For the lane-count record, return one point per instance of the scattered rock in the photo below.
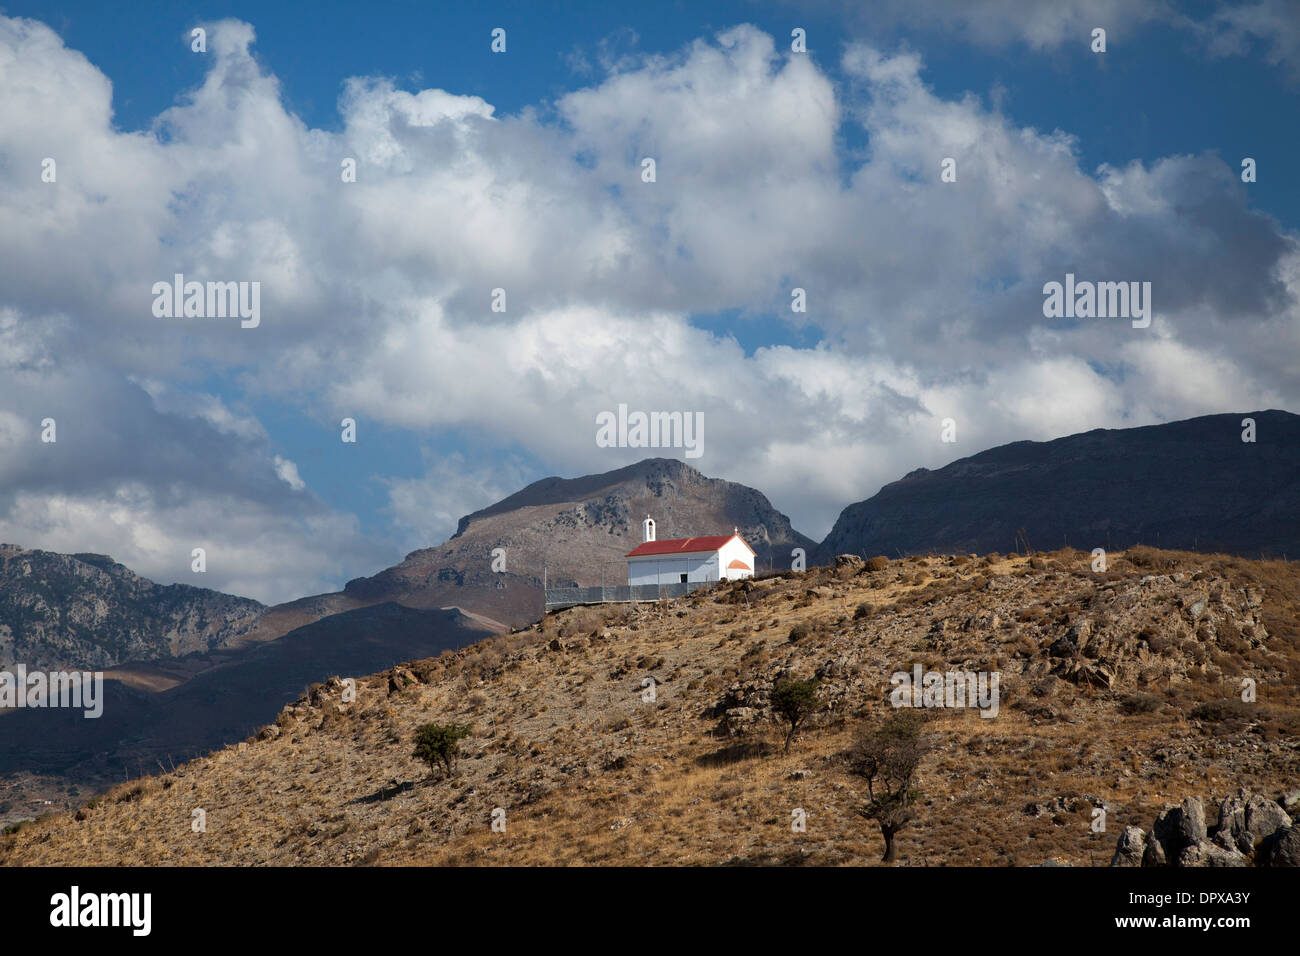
(400, 678)
(615, 761)
(1064, 646)
(847, 565)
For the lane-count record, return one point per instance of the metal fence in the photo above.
(557, 598)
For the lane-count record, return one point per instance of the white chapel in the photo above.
(721, 557)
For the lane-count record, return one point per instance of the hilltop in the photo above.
(1119, 689)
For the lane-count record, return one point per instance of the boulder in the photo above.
(1265, 816)
(400, 678)
(1175, 829)
(1205, 853)
(739, 721)
(1226, 840)
(1154, 854)
(1130, 847)
(1232, 813)
(1191, 822)
(1283, 847)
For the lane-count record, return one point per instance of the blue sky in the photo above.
(776, 169)
(1158, 94)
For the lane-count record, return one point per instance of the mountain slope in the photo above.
(1119, 689)
(571, 530)
(231, 693)
(86, 611)
(163, 705)
(1191, 484)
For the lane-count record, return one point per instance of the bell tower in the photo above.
(648, 529)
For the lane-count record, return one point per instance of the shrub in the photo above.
(1140, 704)
(865, 609)
(1143, 556)
(792, 702)
(1229, 716)
(878, 563)
(799, 632)
(439, 744)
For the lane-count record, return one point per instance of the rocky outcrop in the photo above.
(1251, 830)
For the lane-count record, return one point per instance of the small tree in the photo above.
(439, 744)
(792, 702)
(887, 757)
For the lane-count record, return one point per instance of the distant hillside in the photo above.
(576, 528)
(87, 611)
(1192, 485)
(231, 693)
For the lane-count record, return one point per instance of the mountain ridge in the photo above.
(88, 611)
(1191, 484)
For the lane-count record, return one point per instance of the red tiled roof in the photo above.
(739, 565)
(681, 545)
